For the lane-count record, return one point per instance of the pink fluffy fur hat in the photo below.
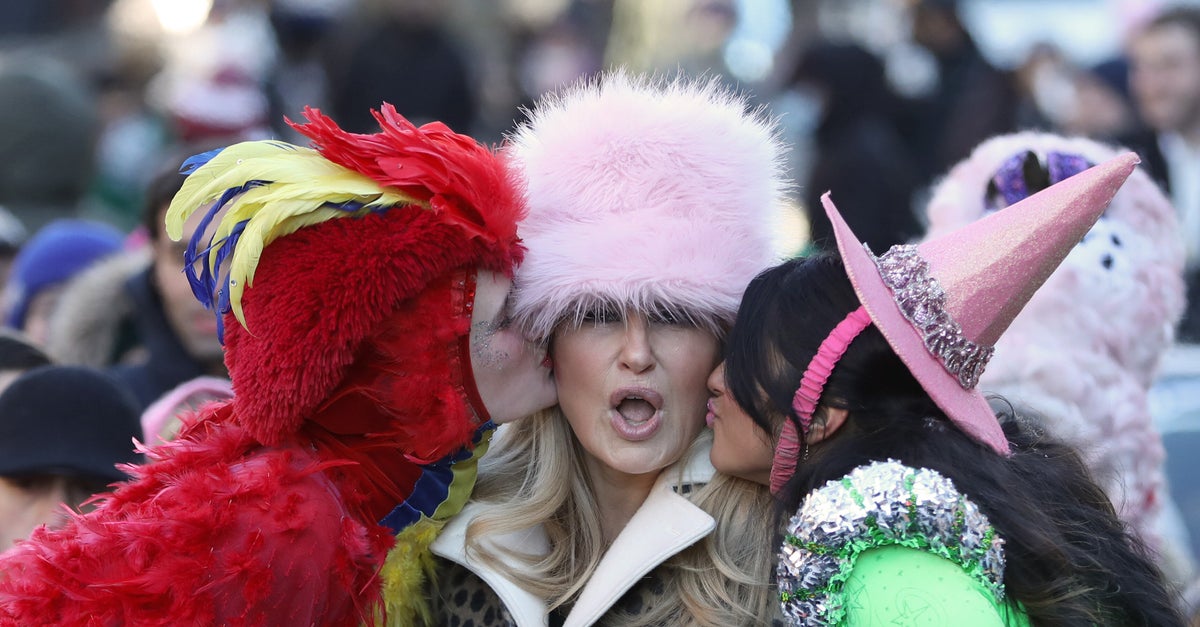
(645, 194)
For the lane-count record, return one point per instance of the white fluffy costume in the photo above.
(1085, 350)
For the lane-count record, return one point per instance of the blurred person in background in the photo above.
(685, 37)
(41, 270)
(972, 100)
(48, 132)
(136, 313)
(222, 107)
(59, 448)
(133, 135)
(1043, 84)
(1103, 104)
(1165, 81)
(555, 55)
(1057, 94)
(18, 354)
(706, 27)
(856, 138)
(299, 76)
(163, 419)
(12, 237)
(401, 52)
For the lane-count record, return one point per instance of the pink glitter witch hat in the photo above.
(943, 304)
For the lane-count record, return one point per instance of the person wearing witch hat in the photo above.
(850, 387)
(362, 289)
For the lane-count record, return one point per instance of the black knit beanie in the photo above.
(67, 420)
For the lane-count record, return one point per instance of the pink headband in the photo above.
(804, 403)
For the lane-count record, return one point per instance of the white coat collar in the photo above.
(664, 525)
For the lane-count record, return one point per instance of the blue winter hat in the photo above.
(57, 252)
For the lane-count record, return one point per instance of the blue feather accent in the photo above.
(205, 281)
(432, 487)
(222, 307)
(204, 286)
(226, 248)
(350, 206)
(192, 163)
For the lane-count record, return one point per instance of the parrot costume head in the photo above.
(343, 277)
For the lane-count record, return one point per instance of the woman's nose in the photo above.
(716, 380)
(636, 353)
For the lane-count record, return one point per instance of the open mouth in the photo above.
(636, 413)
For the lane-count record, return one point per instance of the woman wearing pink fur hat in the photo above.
(650, 210)
(850, 387)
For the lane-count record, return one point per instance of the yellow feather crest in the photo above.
(277, 188)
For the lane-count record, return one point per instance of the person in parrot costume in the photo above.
(361, 288)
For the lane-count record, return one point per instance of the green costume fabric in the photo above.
(878, 509)
(900, 586)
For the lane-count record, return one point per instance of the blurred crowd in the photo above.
(101, 100)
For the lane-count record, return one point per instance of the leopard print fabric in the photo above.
(462, 599)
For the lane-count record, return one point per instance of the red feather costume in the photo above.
(351, 375)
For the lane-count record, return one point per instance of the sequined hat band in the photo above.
(923, 302)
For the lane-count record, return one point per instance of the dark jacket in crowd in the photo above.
(861, 156)
(167, 362)
(1145, 144)
(973, 102)
(112, 317)
(417, 67)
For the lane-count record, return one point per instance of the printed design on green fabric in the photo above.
(880, 504)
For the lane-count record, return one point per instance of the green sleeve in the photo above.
(896, 585)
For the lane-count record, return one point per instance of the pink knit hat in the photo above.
(943, 304)
(646, 195)
(160, 420)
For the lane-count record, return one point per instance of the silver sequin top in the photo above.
(880, 504)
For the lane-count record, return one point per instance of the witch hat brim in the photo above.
(985, 272)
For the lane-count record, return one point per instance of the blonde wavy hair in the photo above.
(722, 580)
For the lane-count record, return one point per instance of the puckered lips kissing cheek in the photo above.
(636, 413)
